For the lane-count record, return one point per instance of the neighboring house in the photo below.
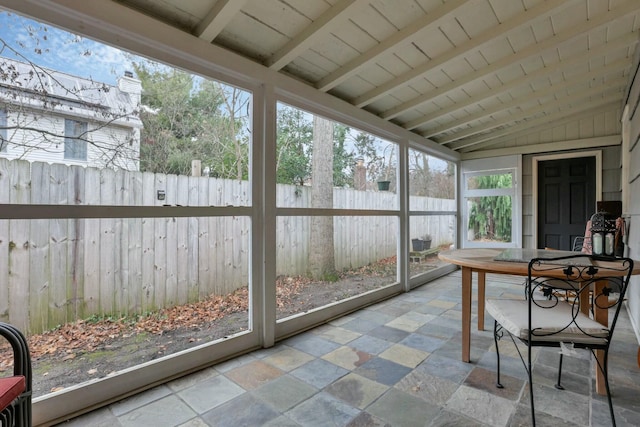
(50, 116)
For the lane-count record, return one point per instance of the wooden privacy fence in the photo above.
(53, 271)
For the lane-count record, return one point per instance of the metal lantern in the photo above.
(603, 231)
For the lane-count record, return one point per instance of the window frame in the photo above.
(74, 147)
(484, 167)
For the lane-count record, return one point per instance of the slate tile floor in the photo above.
(396, 363)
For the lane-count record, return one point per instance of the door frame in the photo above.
(534, 170)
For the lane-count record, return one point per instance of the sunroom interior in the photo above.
(480, 88)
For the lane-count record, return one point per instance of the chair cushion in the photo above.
(513, 316)
(10, 389)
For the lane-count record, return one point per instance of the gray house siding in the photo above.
(633, 181)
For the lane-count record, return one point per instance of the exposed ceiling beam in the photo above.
(532, 50)
(542, 10)
(606, 48)
(218, 18)
(311, 33)
(586, 110)
(420, 25)
(551, 90)
(549, 147)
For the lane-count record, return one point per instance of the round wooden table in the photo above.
(482, 261)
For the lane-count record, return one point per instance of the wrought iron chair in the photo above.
(15, 390)
(544, 319)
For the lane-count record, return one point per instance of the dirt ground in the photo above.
(91, 349)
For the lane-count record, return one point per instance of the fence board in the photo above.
(39, 254)
(18, 281)
(148, 242)
(91, 247)
(206, 242)
(193, 241)
(121, 241)
(182, 241)
(58, 236)
(215, 251)
(107, 244)
(75, 251)
(134, 255)
(160, 248)
(171, 264)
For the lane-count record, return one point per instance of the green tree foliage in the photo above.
(490, 216)
(343, 159)
(294, 140)
(186, 118)
(295, 149)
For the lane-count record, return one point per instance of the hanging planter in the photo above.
(384, 185)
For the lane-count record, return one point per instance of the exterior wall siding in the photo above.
(101, 141)
(633, 181)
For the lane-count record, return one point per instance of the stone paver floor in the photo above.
(396, 363)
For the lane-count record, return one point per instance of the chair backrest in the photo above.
(21, 410)
(600, 281)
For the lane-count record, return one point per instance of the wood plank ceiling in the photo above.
(468, 74)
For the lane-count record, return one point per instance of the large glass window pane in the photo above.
(489, 212)
(101, 295)
(321, 156)
(167, 266)
(324, 166)
(361, 251)
(432, 203)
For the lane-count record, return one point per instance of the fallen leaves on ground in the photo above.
(84, 336)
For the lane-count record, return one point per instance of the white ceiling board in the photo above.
(477, 17)
(278, 16)
(309, 9)
(400, 13)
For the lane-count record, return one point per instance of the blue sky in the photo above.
(61, 50)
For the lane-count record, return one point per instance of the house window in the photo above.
(491, 197)
(75, 143)
(3, 131)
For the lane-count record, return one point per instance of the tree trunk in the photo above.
(321, 258)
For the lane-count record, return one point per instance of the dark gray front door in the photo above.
(566, 200)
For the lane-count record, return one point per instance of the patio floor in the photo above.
(396, 363)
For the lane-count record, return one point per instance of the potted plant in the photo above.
(384, 185)
(385, 165)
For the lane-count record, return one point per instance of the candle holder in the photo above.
(603, 232)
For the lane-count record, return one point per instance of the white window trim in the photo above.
(478, 167)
